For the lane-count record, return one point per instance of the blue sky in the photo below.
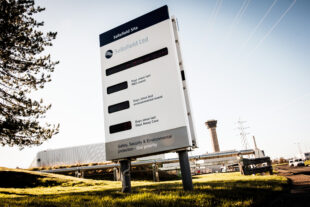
(237, 66)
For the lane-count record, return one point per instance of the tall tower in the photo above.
(211, 124)
(255, 146)
(243, 133)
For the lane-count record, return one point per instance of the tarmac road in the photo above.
(299, 194)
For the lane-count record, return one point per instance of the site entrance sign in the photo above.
(145, 107)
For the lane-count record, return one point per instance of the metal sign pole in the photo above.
(185, 170)
(125, 173)
(155, 172)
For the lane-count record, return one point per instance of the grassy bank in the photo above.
(229, 189)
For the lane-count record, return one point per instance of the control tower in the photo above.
(211, 124)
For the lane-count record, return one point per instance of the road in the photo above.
(299, 194)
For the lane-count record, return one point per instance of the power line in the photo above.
(235, 21)
(242, 12)
(259, 23)
(237, 18)
(214, 13)
(274, 26)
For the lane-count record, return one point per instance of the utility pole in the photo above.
(243, 133)
(255, 145)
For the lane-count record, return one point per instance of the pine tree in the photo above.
(23, 68)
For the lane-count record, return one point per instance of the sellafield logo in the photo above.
(108, 54)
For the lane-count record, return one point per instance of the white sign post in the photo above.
(146, 106)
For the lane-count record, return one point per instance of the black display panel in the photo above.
(137, 61)
(118, 107)
(120, 127)
(183, 75)
(117, 87)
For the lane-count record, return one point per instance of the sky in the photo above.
(245, 60)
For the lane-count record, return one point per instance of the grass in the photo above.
(223, 189)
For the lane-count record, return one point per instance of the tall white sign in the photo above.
(145, 106)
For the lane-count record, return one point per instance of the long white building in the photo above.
(78, 155)
(85, 154)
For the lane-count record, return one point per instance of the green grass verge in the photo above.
(223, 189)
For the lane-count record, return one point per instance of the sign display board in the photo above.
(145, 109)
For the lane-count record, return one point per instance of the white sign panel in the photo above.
(144, 103)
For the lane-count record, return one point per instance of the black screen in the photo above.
(120, 127)
(117, 87)
(137, 61)
(118, 107)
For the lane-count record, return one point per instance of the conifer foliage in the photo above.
(24, 67)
